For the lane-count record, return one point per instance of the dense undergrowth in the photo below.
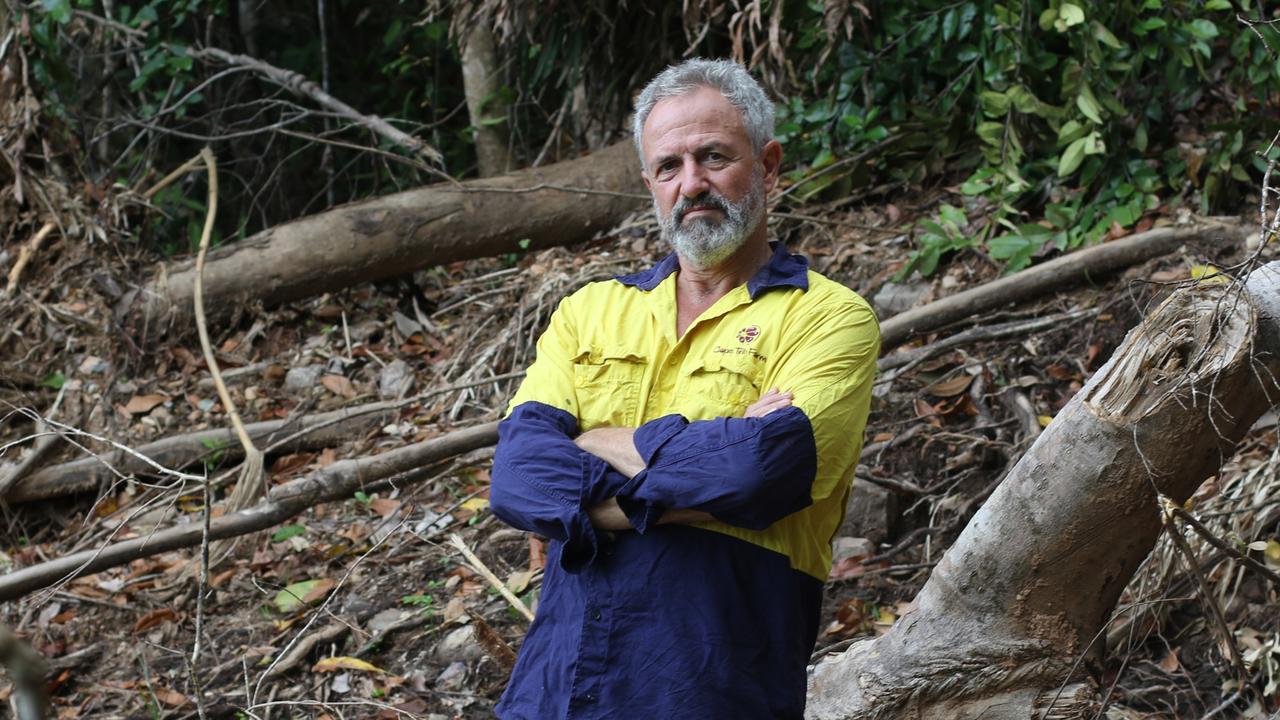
(1056, 123)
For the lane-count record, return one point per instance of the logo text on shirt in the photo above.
(748, 334)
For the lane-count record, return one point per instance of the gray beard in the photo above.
(706, 242)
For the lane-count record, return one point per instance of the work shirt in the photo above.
(714, 619)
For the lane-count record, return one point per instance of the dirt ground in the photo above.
(364, 608)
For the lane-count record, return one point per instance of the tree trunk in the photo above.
(375, 239)
(482, 84)
(1020, 598)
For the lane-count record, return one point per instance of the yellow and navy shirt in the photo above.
(709, 620)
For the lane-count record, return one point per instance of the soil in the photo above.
(399, 624)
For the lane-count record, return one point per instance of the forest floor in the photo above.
(363, 608)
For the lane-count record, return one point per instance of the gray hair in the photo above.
(731, 79)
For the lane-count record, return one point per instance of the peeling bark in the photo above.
(1007, 625)
(400, 233)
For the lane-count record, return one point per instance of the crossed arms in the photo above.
(616, 446)
(747, 472)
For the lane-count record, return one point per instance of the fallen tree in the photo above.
(293, 435)
(338, 481)
(1069, 269)
(374, 239)
(1008, 625)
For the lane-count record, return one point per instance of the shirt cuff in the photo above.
(641, 514)
(651, 436)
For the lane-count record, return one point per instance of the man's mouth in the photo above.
(700, 210)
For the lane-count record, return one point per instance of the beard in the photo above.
(708, 241)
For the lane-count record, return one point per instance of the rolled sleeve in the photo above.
(747, 472)
(542, 482)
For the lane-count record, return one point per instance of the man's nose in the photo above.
(693, 179)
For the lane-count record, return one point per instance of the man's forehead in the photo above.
(703, 111)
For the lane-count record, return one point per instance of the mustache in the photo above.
(705, 201)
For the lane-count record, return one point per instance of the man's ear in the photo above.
(771, 160)
(648, 184)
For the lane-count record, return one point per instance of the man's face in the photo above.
(708, 186)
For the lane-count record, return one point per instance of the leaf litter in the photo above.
(376, 563)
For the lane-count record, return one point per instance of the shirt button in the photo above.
(595, 615)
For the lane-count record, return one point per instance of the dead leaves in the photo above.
(339, 385)
(143, 404)
(343, 662)
(154, 618)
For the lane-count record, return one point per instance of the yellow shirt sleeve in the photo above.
(829, 367)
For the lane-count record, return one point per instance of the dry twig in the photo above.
(487, 574)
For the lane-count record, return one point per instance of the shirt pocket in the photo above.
(607, 382)
(720, 386)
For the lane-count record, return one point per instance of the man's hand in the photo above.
(770, 401)
(615, 446)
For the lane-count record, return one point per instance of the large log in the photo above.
(1001, 628)
(1036, 281)
(388, 236)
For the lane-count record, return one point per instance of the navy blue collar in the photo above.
(783, 270)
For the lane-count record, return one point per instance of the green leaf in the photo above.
(1006, 246)
(1071, 158)
(146, 14)
(54, 380)
(294, 596)
(1069, 16)
(991, 133)
(1048, 18)
(1088, 104)
(1217, 5)
(1146, 25)
(287, 532)
(952, 215)
(994, 104)
(1106, 37)
(1203, 29)
(59, 10)
(1070, 131)
(1094, 144)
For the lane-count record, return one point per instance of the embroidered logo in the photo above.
(748, 334)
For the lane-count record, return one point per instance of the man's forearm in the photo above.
(609, 516)
(615, 446)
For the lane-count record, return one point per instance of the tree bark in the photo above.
(1000, 626)
(482, 84)
(388, 236)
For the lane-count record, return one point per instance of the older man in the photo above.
(686, 437)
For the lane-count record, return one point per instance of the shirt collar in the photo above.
(782, 270)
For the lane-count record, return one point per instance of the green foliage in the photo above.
(54, 380)
(1058, 121)
(424, 602)
(1086, 113)
(217, 451)
(288, 531)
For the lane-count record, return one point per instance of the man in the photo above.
(686, 437)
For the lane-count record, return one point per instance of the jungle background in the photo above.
(931, 148)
